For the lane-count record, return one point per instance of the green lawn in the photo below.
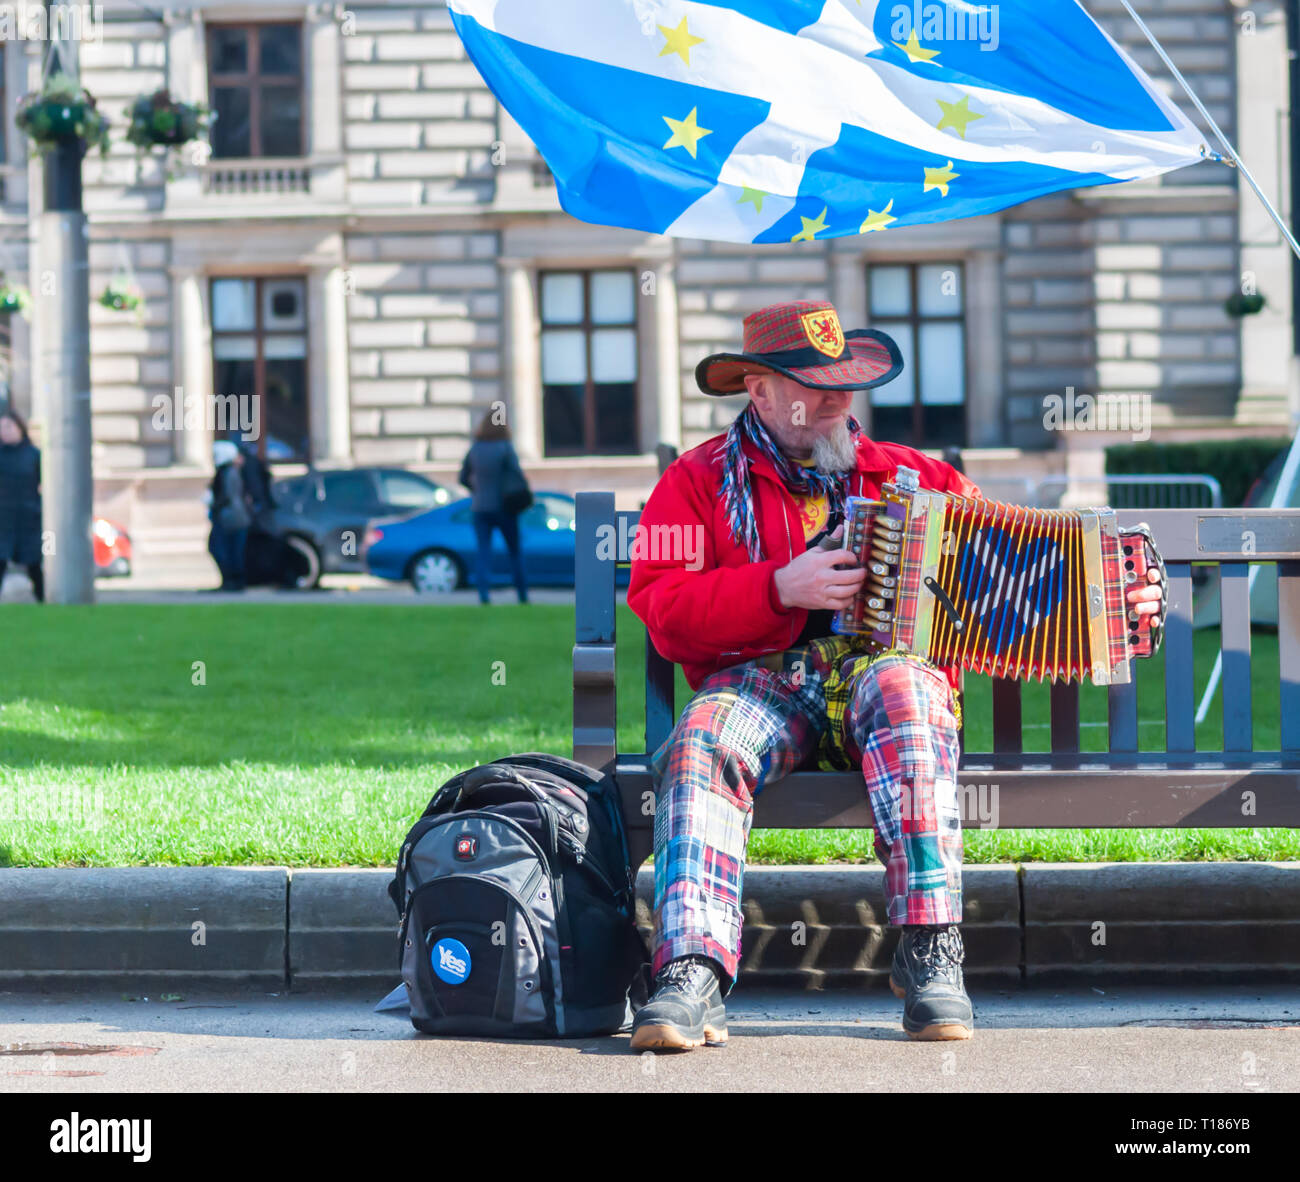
(314, 734)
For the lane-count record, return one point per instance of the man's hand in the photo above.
(1147, 599)
(815, 579)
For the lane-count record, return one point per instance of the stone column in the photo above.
(982, 301)
(324, 103)
(848, 283)
(522, 361)
(331, 427)
(187, 79)
(191, 366)
(661, 410)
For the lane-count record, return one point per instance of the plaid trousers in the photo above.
(890, 713)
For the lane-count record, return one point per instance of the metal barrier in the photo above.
(1139, 492)
(1010, 490)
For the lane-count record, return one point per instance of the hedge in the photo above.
(1234, 463)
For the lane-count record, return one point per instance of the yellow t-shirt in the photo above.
(813, 509)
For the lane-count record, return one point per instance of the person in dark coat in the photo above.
(492, 473)
(267, 558)
(231, 515)
(20, 501)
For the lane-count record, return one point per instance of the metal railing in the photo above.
(1180, 491)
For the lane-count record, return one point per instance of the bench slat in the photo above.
(1215, 535)
(1288, 645)
(593, 578)
(660, 714)
(1007, 730)
(595, 688)
(1095, 797)
(1234, 600)
(1122, 713)
(1065, 716)
(1180, 682)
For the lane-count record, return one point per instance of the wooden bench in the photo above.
(1177, 787)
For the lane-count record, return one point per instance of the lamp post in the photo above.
(63, 306)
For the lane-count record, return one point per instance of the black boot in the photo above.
(926, 973)
(686, 1009)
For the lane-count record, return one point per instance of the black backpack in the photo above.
(517, 904)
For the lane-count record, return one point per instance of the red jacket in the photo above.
(726, 610)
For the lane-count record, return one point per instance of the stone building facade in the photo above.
(412, 268)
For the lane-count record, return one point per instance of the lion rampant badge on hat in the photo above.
(803, 340)
(824, 332)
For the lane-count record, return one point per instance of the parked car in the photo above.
(436, 550)
(322, 516)
(112, 549)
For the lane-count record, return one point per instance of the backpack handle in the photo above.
(495, 776)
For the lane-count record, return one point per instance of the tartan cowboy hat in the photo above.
(803, 340)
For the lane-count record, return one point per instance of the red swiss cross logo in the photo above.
(466, 848)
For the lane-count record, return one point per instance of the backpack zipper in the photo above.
(592, 868)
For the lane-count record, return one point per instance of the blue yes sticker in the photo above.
(451, 962)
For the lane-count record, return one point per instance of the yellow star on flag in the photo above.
(810, 227)
(686, 132)
(939, 178)
(753, 195)
(956, 115)
(877, 219)
(679, 40)
(912, 47)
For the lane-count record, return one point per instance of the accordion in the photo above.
(1000, 589)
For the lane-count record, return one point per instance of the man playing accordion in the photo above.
(776, 689)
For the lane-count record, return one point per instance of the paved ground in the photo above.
(1137, 1039)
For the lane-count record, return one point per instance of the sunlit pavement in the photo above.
(1203, 1039)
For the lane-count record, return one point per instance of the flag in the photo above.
(799, 120)
(1008, 589)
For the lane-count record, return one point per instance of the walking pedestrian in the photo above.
(231, 515)
(20, 502)
(499, 493)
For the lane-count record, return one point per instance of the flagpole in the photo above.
(1223, 139)
(1291, 466)
(1286, 480)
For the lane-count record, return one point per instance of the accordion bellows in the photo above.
(1000, 589)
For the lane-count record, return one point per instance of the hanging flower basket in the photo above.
(60, 111)
(122, 296)
(14, 298)
(1238, 305)
(160, 121)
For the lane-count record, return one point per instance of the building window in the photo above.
(259, 364)
(589, 362)
(255, 82)
(922, 306)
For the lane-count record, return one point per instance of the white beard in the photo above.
(835, 453)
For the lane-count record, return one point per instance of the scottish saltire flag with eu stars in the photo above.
(1008, 590)
(794, 120)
